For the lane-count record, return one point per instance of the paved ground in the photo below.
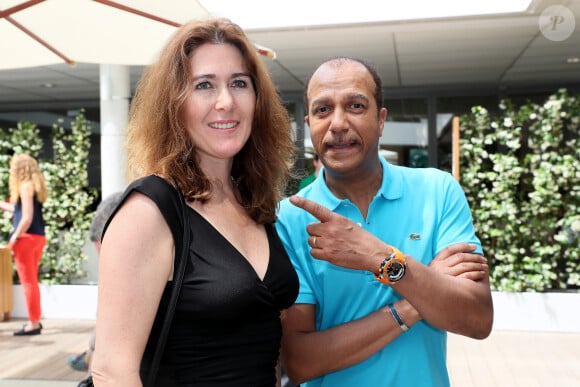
(505, 359)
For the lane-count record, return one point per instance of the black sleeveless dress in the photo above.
(226, 329)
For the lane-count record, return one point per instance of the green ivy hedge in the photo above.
(68, 209)
(520, 170)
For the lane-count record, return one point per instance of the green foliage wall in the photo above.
(521, 174)
(67, 211)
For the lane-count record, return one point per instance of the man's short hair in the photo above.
(378, 92)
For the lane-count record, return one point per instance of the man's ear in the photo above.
(382, 118)
(307, 120)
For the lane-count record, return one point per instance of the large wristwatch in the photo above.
(392, 269)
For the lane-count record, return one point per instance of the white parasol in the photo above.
(124, 32)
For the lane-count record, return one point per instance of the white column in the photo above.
(115, 90)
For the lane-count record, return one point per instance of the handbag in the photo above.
(178, 280)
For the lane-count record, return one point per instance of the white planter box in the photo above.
(547, 312)
(60, 302)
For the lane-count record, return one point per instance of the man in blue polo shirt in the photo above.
(374, 304)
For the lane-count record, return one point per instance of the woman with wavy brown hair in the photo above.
(27, 239)
(206, 119)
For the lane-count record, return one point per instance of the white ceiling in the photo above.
(462, 54)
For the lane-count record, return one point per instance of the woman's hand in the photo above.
(5, 206)
(12, 241)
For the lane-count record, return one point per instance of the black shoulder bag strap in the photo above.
(180, 264)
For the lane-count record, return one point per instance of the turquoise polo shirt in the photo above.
(420, 211)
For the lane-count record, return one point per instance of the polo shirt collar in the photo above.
(391, 187)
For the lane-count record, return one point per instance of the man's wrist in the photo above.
(392, 268)
(397, 318)
(405, 311)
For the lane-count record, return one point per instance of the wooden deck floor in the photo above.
(43, 356)
(505, 359)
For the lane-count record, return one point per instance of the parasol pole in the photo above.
(455, 148)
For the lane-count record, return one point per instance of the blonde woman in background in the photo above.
(27, 239)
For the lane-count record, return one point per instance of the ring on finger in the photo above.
(314, 241)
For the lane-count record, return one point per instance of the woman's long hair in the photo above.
(24, 168)
(158, 141)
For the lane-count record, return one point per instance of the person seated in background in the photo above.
(310, 178)
(82, 361)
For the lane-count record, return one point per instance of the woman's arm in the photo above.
(135, 264)
(27, 200)
(5, 206)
